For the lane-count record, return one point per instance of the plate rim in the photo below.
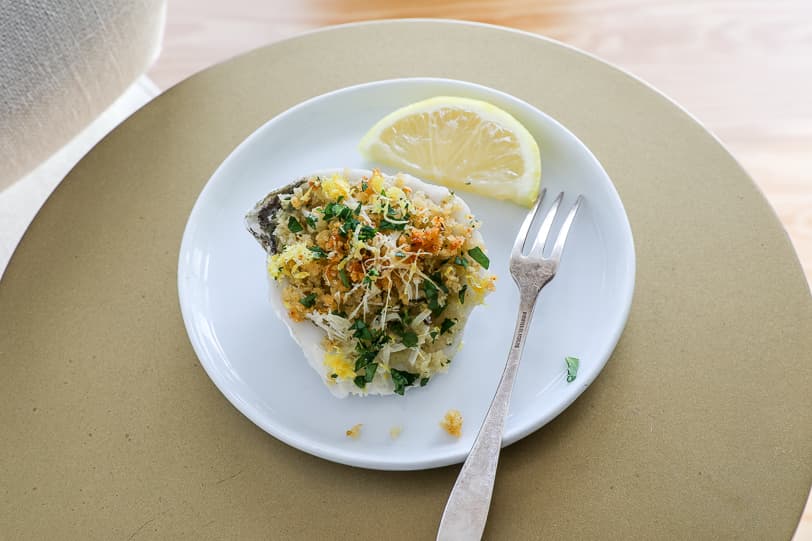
(337, 455)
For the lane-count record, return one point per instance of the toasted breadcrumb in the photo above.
(354, 432)
(394, 432)
(452, 423)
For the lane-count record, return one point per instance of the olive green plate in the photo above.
(700, 425)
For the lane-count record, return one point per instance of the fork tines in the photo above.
(540, 241)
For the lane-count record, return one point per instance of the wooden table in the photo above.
(743, 69)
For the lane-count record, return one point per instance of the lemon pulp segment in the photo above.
(465, 144)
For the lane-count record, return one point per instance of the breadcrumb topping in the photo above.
(354, 432)
(388, 273)
(452, 423)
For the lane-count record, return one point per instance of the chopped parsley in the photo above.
(431, 292)
(409, 339)
(434, 334)
(461, 261)
(423, 381)
(294, 225)
(308, 301)
(366, 232)
(348, 226)
(402, 379)
(370, 342)
(342, 274)
(386, 225)
(463, 289)
(371, 273)
(364, 186)
(369, 372)
(572, 368)
(362, 332)
(336, 210)
(479, 256)
(318, 253)
(446, 325)
(365, 359)
(392, 221)
(311, 220)
(438, 279)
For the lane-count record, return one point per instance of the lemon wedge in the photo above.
(461, 143)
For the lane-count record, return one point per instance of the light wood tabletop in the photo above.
(743, 69)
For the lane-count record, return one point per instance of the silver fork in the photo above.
(467, 509)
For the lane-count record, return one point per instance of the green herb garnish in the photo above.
(366, 232)
(423, 381)
(391, 221)
(369, 371)
(572, 368)
(342, 274)
(386, 225)
(311, 220)
(371, 273)
(294, 226)
(318, 253)
(461, 261)
(336, 210)
(479, 256)
(402, 379)
(409, 339)
(462, 293)
(308, 301)
(431, 291)
(348, 226)
(357, 210)
(438, 279)
(360, 381)
(362, 332)
(364, 186)
(365, 359)
(446, 325)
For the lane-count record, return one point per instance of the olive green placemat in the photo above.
(700, 426)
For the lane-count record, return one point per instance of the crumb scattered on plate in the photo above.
(354, 432)
(394, 432)
(452, 423)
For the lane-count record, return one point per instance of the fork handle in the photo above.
(467, 508)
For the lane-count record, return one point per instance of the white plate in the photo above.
(249, 355)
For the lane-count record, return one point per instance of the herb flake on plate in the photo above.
(572, 368)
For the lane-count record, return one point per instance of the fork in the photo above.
(467, 508)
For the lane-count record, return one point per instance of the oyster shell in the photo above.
(313, 336)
